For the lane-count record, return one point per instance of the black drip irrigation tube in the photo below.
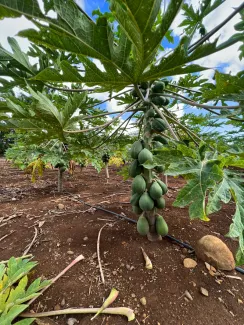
(181, 243)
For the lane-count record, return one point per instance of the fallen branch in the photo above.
(76, 260)
(5, 236)
(113, 311)
(111, 298)
(32, 243)
(98, 253)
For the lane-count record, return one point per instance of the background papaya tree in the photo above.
(131, 53)
(41, 119)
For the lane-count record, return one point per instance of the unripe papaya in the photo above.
(136, 149)
(155, 191)
(159, 203)
(150, 112)
(159, 100)
(142, 225)
(135, 199)
(159, 125)
(163, 186)
(135, 168)
(160, 138)
(157, 145)
(136, 209)
(144, 155)
(159, 169)
(161, 226)
(146, 203)
(166, 101)
(139, 184)
(144, 85)
(158, 87)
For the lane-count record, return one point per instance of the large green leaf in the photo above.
(226, 87)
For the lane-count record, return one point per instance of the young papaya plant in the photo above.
(14, 293)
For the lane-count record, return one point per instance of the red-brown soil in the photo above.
(76, 229)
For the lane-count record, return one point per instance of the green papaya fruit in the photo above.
(59, 165)
(134, 93)
(161, 226)
(159, 169)
(135, 199)
(138, 184)
(145, 155)
(136, 149)
(144, 85)
(135, 168)
(158, 87)
(166, 101)
(150, 112)
(159, 203)
(146, 203)
(158, 100)
(142, 226)
(158, 125)
(163, 186)
(155, 191)
(157, 145)
(136, 209)
(161, 139)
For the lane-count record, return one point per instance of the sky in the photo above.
(227, 60)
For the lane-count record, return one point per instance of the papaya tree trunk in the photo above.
(107, 171)
(147, 188)
(147, 173)
(166, 180)
(60, 180)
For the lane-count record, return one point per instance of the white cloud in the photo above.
(178, 109)
(10, 27)
(228, 57)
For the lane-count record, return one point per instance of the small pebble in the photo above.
(143, 301)
(204, 291)
(57, 307)
(85, 238)
(70, 252)
(72, 321)
(133, 295)
(62, 302)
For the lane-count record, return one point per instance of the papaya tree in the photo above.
(131, 53)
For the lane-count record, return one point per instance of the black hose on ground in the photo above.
(181, 243)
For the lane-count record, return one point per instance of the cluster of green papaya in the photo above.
(144, 199)
(143, 226)
(140, 154)
(156, 92)
(147, 189)
(105, 158)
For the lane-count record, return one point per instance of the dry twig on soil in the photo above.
(76, 260)
(5, 236)
(98, 254)
(32, 243)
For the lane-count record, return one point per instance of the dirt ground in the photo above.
(66, 233)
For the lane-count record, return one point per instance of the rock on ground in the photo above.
(213, 250)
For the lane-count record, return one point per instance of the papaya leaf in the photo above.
(226, 85)
(26, 321)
